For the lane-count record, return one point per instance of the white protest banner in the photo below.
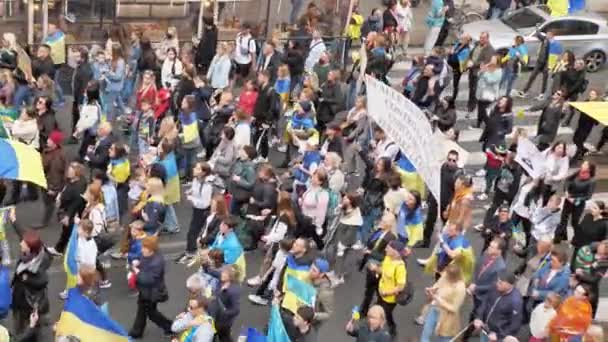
(408, 127)
(446, 145)
(530, 158)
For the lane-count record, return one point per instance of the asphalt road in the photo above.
(122, 307)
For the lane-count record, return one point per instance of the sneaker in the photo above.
(482, 197)
(540, 97)
(480, 173)
(319, 231)
(118, 255)
(53, 252)
(255, 281)
(184, 258)
(478, 227)
(133, 293)
(257, 300)
(63, 294)
(202, 154)
(358, 245)
(339, 281)
(282, 148)
(419, 320)
(486, 207)
(422, 262)
(105, 284)
(106, 264)
(519, 93)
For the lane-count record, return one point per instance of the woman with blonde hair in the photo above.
(115, 79)
(167, 131)
(446, 297)
(373, 329)
(8, 53)
(44, 87)
(95, 212)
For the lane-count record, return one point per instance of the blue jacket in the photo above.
(22, 97)
(558, 284)
(134, 252)
(156, 216)
(151, 278)
(502, 313)
(435, 18)
(486, 281)
(110, 198)
(115, 78)
(310, 158)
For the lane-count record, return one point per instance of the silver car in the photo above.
(584, 33)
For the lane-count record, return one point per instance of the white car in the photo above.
(584, 33)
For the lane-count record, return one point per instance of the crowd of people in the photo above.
(156, 128)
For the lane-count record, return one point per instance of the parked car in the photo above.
(584, 33)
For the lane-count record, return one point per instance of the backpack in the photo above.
(333, 203)
(276, 106)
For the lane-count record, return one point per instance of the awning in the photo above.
(595, 109)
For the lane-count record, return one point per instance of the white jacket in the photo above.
(170, 73)
(26, 132)
(316, 49)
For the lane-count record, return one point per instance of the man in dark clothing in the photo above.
(263, 111)
(82, 76)
(501, 313)
(46, 119)
(332, 100)
(445, 28)
(299, 326)
(449, 172)
(98, 155)
(207, 46)
(271, 59)
(481, 53)
(506, 185)
(43, 63)
(541, 66)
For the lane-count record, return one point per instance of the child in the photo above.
(540, 317)
(242, 129)
(301, 127)
(137, 187)
(272, 276)
(136, 236)
(145, 127)
(494, 160)
(283, 84)
(153, 212)
(119, 171)
(86, 249)
(248, 98)
(110, 198)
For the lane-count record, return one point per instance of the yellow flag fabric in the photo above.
(595, 109)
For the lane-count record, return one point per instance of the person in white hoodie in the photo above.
(540, 317)
(25, 128)
(315, 50)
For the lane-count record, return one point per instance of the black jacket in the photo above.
(82, 76)
(264, 195)
(448, 179)
(502, 313)
(151, 278)
(72, 202)
(332, 101)
(273, 65)
(31, 288)
(573, 80)
(43, 67)
(497, 127)
(46, 124)
(262, 109)
(589, 231)
(548, 124)
(228, 305)
(100, 157)
(8, 59)
(294, 59)
(207, 47)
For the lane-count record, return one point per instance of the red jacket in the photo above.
(247, 101)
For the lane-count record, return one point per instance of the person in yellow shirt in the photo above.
(393, 277)
(559, 8)
(353, 30)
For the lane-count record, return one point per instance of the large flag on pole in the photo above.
(70, 265)
(83, 319)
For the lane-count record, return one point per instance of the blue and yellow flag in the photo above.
(514, 50)
(19, 161)
(189, 127)
(465, 257)
(83, 319)
(276, 328)
(233, 251)
(120, 170)
(70, 263)
(555, 51)
(172, 190)
(298, 293)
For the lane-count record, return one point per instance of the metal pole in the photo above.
(268, 30)
(45, 18)
(199, 32)
(30, 22)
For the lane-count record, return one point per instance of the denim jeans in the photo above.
(368, 223)
(187, 160)
(58, 90)
(142, 146)
(508, 78)
(113, 101)
(171, 225)
(296, 7)
(430, 324)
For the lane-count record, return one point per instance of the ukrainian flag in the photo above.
(410, 179)
(172, 190)
(462, 56)
(83, 319)
(409, 225)
(233, 252)
(70, 264)
(297, 289)
(189, 334)
(19, 161)
(189, 127)
(465, 258)
(555, 50)
(120, 170)
(276, 328)
(523, 54)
